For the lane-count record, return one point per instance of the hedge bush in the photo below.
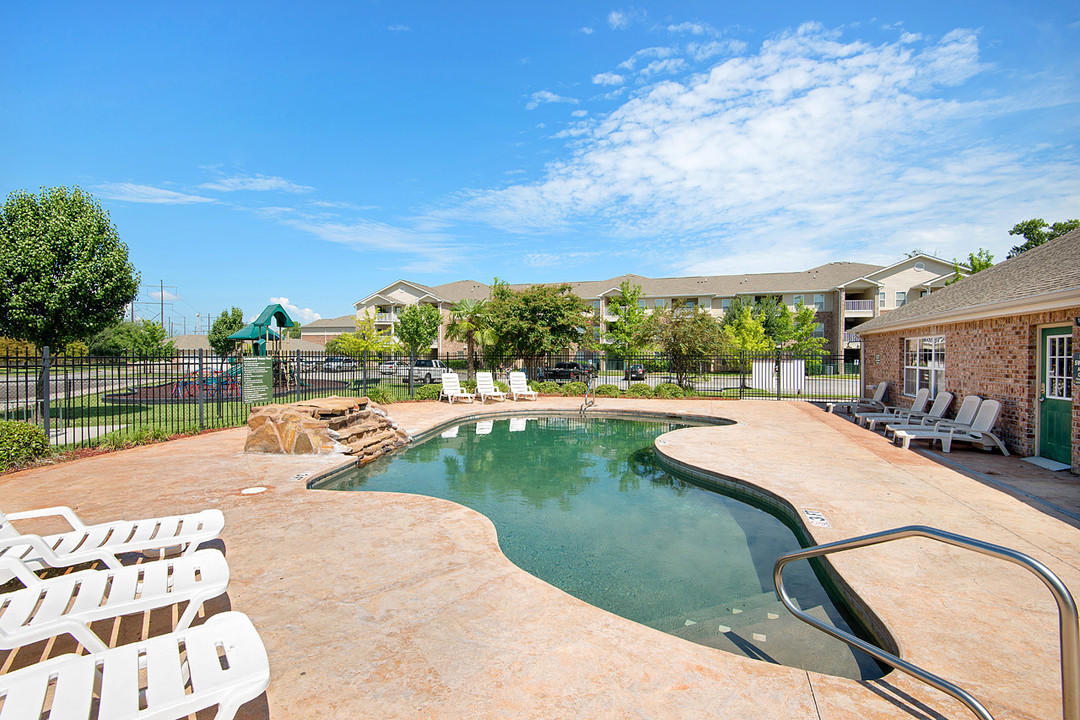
(574, 388)
(548, 387)
(379, 394)
(428, 392)
(639, 390)
(500, 385)
(130, 437)
(668, 391)
(607, 390)
(21, 443)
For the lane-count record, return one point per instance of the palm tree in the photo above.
(469, 323)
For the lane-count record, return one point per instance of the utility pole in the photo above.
(161, 297)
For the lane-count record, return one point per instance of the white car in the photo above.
(394, 369)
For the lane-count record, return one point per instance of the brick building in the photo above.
(1009, 333)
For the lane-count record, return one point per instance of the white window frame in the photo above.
(725, 305)
(819, 330)
(881, 299)
(924, 364)
(819, 302)
(797, 300)
(901, 298)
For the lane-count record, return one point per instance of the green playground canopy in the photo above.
(260, 332)
(254, 332)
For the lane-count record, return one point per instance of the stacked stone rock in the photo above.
(326, 425)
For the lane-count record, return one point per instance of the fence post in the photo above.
(363, 373)
(45, 404)
(412, 367)
(742, 373)
(199, 390)
(779, 374)
(296, 374)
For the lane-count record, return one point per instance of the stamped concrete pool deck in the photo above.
(387, 605)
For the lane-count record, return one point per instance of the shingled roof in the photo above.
(1042, 278)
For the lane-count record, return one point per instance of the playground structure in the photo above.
(261, 334)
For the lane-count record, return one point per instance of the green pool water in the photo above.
(583, 505)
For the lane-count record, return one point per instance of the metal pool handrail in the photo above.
(588, 403)
(1068, 621)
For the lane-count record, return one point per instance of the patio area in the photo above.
(401, 606)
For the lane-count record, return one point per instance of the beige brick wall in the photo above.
(996, 359)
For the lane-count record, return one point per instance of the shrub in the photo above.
(457, 364)
(468, 385)
(574, 388)
(548, 387)
(500, 385)
(130, 437)
(428, 392)
(668, 391)
(21, 443)
(379, 394)
(607, 390)
(639, 390)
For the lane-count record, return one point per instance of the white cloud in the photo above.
(297, 313)
(373, 235)
(255, 183)
(579, 113)
(808, 147)
(608, 78)
(586, 30)
(559, 259)
(541, 97)
(663, 67)
(645, 54)
(618, 20)
(701, 51)
(166, 296)
(130, 192)
(693, 28)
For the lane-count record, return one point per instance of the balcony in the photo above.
(859, 308)
(852, 340)
(384, 317)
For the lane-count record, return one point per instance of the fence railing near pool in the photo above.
(82, 399)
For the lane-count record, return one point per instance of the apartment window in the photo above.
(819, 301)
(596, 305)
(661, 303)
(924, 364)
(690, 303)
(641, 303)
(725, 305)
(881, 299)
(901, 298)
(819, 330)
(797, 300)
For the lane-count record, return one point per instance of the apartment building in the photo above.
(844, 294)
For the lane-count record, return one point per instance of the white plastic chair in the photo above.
(104, 541)
(875, 402)
(221, 662)
(451, 388)
(519, 386)
(979, 433)
(964, 417)
(65, 605)
(485, 387)
(890, 412)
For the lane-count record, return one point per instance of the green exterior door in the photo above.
(1055, 394)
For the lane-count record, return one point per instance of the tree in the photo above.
(64, 272)
(801, 340)
(688, 337)
(366, 339)
(631, 333)
(137, 339)
(470, 324)
(293, 332)
(418, 327)
(537, 321)
(742, 330)
(976, 262)
(1037, 232)
(228, 322)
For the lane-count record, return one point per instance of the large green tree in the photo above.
(64, 272)
(367, 339)
(140, 339)
(470, 323)
(688, 337)
(631, 333)
(417, 327)
(742, 330)
(1037, 232)
(976, 262)
(537, 321)
(228, 322)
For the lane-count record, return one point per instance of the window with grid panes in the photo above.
(924, 364)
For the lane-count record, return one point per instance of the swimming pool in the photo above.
(584, 505)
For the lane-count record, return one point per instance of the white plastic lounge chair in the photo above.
(936, 412)
(65, 605)
(890, 412)
(485, 387)
(979, 433)
(451, 388)
(224, 664)
(871, 403)
(519, 386)
(483, 427)
(104, 541)
(963, 419)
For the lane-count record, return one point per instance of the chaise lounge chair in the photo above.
(65, 605)
(871, 403)
(221, 662)
(451, 389)
(891, 412)
(979, 433)
(964, 417)
(104, 541)
(485, 387)
(519, 386)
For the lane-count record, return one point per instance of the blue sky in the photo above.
(250, 152)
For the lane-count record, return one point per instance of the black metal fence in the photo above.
(80, 400)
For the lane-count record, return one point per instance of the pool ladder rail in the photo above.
(590, 390)
(1068, 621)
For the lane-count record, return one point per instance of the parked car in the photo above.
(634, 372)
(311, 364)
(428, 371)
(339, 364)
(570, 372)
(394, 369)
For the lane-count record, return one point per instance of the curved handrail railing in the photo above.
(1068, 621)
(589, 389)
